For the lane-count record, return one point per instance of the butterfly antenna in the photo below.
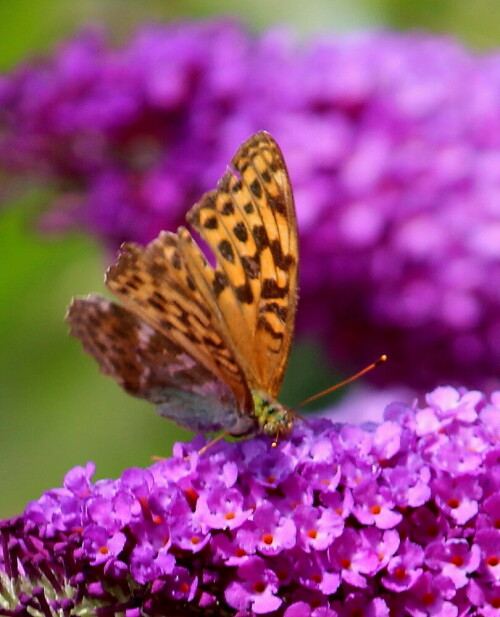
(297, 416)
(381, 360)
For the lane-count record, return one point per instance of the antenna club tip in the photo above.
(383, 358)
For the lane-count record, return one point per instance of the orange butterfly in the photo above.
(208, 345)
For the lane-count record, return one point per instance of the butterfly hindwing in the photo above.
(151, 366)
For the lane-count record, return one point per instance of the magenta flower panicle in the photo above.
(397, 518)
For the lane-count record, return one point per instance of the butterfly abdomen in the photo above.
(272, 418)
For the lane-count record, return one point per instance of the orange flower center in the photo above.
(428, 598)
(457, 560)
(259, 587)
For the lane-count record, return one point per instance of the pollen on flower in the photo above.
(428, 598)
(400, 573)
(259, 587)
(457, 560)
(191, 496)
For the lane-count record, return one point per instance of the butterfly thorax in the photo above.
(272, 418)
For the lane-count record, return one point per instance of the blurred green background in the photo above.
(56, 410)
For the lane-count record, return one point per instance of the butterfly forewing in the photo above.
(249, 223)
(153, 283)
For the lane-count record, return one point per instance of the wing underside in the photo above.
(151, 366)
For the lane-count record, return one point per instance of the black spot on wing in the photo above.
(211, 223)
(256, 188)
(251, 266)
(237, 186)
(280, 259)
(265, 325)
(277, 203)
(260, 236)
(226, 250)
(220, 282)
(176, 260)
(277, 309)
(227, 208)
(240, 231)
(244, 293)
(271, 290)
(155, 304)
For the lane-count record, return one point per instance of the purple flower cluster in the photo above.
(393, 146)
(400, 518)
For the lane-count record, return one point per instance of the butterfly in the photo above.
(207, 344)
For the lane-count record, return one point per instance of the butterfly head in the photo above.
(273, 419)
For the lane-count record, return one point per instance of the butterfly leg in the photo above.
(211, 443)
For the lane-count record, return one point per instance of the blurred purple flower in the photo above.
(393, 146)
(196, 534)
